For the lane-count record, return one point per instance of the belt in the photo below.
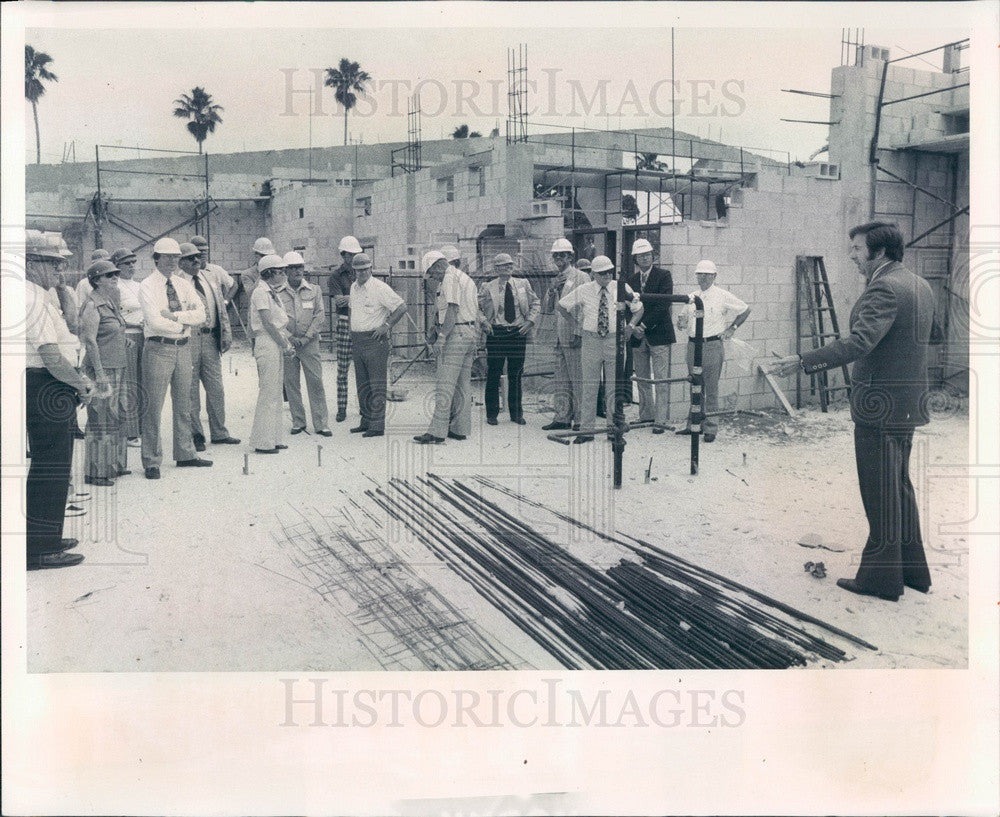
(206, 331)
(167, 341)
(714, 337)
(464, 323)
(505, 326)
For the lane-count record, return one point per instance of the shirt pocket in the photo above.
(309, 305)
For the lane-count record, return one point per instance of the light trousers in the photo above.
(452, 396)
(163, 366)
(267, 429)
(306, 361)
(712, 357)
(104, 449)
(206, 363)
(597, 355)
(567, 384)
(653, 362)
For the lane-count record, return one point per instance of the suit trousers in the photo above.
(133, 385)
(567, 384)
(306, 360)
(504, 345)
(105, 451)
(50, 409)
(452, 394)
(206, 367)
(894, 551)
(371, 370)
(654, 400)
(712, 358)
(267, 429)
(166, 365)
(597, 356)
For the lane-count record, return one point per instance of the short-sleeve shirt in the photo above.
(458, 288)
(44, 325)
(223, 280)
(587, 298)
(371, 304)
(721, 307)
(263, 297)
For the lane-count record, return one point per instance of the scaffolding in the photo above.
(517, 94)
(411, 160)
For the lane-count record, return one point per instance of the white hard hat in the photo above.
(705, 266)
(264, 246)
(640, 246)
(39, 245)
(430, 258)
(271, 261)
(450, 253)
(64, 248)
(167, 246)
(503, 259)
(562, 245)
(601, 263)
(349, 244)
(293, 259)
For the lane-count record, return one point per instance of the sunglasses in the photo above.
(108, 275)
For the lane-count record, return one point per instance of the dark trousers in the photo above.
(50, 409)
(371, 369)
(504, 344)
(894, 552)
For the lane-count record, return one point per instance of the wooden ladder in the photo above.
(816, 319)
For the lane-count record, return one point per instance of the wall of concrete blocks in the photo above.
(311, 219)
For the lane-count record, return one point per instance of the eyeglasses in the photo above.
(113, 274)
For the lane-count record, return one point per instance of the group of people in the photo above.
(170, 330)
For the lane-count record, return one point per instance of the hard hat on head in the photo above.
(640, 246)
(199, 241)
(122, 256)
(263, 246)
(430, 258)
(450, 253)
(99, 268)
(361, 261)
(271, 261)
(38, 245)
(601, 264)
(167, 246)
(64, 248)
(189, 250)
(584, 264)
(706, 266)
(349, 244)
(99, 254)
(561, 245)
(503, 260)
(293, 259)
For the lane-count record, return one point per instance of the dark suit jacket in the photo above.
(655, 316)
(890, 331)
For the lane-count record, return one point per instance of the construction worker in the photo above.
(303, 303)
(458, 319)
(724, 313)
(171, 309)
(568, 372)
(268, 322)
(595, 305)
(339, 286)
(375, 309)
(209, 342)
(131, 309)
(511, 308)
(650, 343)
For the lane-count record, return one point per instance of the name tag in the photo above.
(307, 304)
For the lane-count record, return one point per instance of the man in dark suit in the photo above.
(650, 342)
(890, 332)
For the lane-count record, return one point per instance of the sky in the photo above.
(117, 85)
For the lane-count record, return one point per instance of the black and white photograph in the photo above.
(377, 376)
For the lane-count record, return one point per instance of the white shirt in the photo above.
(458, 288)
(223, 280)
(372, 304)
(263, 297)
(153, 297)
(129, 303)
(44, 325)
(587, 299)
(83, 289)
(721, 307)
(209, 299)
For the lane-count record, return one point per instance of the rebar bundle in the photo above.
(651, 610)
(400, 619)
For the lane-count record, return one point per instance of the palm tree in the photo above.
(463, 132)
(202, 112)
(346, 80)
(34, 73)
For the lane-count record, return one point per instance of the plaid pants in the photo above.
(343, 359)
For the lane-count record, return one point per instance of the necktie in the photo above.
(643, 277)
(603, 322)
(173, 302)
(509, 312)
